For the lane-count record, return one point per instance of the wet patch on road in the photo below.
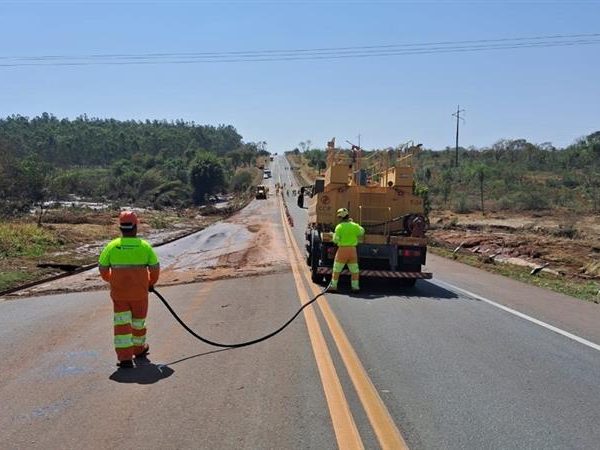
(245, 245)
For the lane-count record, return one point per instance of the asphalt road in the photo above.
(438, 366)
(456, 371)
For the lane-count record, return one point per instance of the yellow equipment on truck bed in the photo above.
(383, 202)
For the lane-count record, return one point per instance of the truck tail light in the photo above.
(411, 253)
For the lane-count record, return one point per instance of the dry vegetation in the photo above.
(569, 247)
(74, 238)
(304, 172)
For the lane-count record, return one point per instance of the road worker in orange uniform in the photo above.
(346, 236)
(131, 267)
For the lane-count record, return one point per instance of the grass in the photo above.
(76, 237)
(159, 222)
(581, 289)
(13, 278)
(25, 240)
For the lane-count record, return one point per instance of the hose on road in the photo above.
(240, 344)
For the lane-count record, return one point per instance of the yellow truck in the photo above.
(380, 197)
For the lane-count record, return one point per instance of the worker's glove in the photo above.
(150, 288)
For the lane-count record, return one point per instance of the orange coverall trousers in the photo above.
(345, 256)
(130, 327)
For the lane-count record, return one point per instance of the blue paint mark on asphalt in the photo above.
(88, 353)
(50, 410)
(70, 370)
(77, 363)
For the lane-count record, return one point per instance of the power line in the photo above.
(314, 56)
(305, 54)
(309, 50)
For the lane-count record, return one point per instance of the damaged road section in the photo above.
(246, 244)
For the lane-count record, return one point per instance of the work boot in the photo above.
(125, 364)
(144, 352)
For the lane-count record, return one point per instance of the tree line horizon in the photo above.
(175, 164)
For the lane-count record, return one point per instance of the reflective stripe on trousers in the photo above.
(129, 328)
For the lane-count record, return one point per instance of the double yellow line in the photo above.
(344, 426)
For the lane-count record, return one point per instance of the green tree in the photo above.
(242, 180)
(36, 179)
(423, 192)
(207, 176)
(236, 159)
(479, 172)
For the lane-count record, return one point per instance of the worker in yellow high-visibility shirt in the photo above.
(131, 267)
(346, 237)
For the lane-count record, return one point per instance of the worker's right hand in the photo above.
(150, 288)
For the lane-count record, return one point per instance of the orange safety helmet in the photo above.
(127, 220)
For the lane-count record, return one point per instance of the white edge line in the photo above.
(521, 315)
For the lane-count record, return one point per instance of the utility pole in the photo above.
(358, 158)
(458, 119)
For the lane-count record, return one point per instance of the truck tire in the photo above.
(315, 252)
(308, 247)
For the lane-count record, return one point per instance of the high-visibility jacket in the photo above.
(130, 265)
(347, 234)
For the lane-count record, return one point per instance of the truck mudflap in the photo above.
(381, 273)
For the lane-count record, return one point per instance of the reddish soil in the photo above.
(568, 245)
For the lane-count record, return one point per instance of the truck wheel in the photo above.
(315, 251)
(308, 247)
(315, 277)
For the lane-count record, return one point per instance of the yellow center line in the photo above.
(383, 424)
(344, 426)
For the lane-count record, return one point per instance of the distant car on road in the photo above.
(261, 192)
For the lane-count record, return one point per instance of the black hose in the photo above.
(241, 344)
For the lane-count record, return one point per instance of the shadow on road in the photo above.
(145, 372)
(198, 355)
(381, 289)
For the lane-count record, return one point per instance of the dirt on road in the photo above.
(246, 244)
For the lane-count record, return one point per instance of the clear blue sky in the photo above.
(544, 94)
